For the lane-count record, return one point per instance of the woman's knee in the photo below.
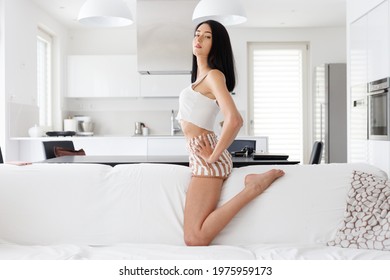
(195, 239)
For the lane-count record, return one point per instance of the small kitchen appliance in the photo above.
(379, 109)
(138, 128)
(84, 125)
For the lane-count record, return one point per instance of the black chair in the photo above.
(49, 147)
(1, 157)
(316, 153)
(240, 145)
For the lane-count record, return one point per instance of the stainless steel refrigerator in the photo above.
(330, 111)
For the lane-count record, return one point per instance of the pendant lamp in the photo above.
(105, 13)
(227, 12)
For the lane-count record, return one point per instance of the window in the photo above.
(44, 70)
(277, 95)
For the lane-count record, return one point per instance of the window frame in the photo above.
(46, 113)
(306, 99)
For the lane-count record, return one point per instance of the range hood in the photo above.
(164, 36)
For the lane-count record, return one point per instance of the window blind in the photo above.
(277, 96)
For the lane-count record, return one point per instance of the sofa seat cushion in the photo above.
(313, 252)
(166, 252)
(55, 252)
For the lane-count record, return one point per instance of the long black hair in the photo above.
(220, 56)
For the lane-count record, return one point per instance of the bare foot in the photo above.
(258, 183)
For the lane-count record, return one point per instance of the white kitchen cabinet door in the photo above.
(176, 145)
(163, 85)
(358, 52)
(107, 146)
(378, 42)
(357, 8)
(102, 76)
(172, 146)
(358, 143)
(379, 154)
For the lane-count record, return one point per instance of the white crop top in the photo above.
(198, 109)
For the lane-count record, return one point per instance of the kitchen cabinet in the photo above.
(369, 46)
(102, 76)
(369, 57)
(358, 143)
(379, 154)
(31, 149)
(378, 42)
(358, 52)
(136, 146)
(358, 57)
(167, 146)
(357, 8)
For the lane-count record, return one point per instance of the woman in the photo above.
(213, 79)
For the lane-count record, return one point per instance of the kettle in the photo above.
(138, 128)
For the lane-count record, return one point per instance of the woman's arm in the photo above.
(232, 118)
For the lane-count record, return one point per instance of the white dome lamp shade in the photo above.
(226, 12)
(105, 13)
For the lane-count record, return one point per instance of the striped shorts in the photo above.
(200, 168)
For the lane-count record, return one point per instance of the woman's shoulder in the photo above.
(216, 82)
(215, 74)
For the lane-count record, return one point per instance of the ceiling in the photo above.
(261, 13)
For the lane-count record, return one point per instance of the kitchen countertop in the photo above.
(94, 137)
(44, 138)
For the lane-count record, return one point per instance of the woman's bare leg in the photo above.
(202, 220)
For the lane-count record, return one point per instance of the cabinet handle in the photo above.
(359, 102)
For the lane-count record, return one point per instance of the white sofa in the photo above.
(135, 211)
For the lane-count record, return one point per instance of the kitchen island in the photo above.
(180, 160)
(31, 149)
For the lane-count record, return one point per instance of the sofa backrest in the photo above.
(304, 206)
(92, 204)
(144, 203)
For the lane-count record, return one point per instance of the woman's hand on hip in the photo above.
(204, 149)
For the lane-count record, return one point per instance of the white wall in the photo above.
(20, 19)
(103, 41)
(116, 116)
(2, 76)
